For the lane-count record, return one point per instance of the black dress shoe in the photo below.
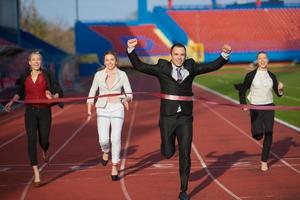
(114, 177)
(183, 196)
(103, 162)
(36, 184)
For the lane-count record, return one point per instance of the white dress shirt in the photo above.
(183, 72)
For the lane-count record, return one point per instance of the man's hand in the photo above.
(226, 49)
(132, 43)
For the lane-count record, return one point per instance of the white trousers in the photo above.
(110, 118)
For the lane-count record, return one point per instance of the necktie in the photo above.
(179, 75)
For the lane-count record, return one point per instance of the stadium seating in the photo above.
(149, 41)
(245, 30)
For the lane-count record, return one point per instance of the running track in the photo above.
(225, 159)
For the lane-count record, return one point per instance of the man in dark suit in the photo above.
(176, 117)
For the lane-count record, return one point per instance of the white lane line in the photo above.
(153, 174)
(23, 132)
(162, 162)
(162, 166)
(288, 125)
(122, 181)
(58, 181)
(235, 101)
(53, 156)
(162, 169)
(12, 139)
(80, 168)
(244, 133)
(211, 175)
(248, 159)
(258, 197)
(292, 98)
(11, 117)
(4, 169)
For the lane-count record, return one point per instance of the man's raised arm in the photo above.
(202, 68)
(136, 62)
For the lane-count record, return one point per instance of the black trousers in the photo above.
(37, 125)
(268, 137)
(262, 122)
(181, 127)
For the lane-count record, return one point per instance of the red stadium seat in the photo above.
(149, 42)
(244, 30)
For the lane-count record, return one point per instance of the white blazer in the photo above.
(121, 81)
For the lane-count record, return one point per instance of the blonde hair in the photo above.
(34, 53)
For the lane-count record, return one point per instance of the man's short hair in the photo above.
(261, 52)
(177, 45)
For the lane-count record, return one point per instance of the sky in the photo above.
(107, 10)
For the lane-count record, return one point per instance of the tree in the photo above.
(54, 33)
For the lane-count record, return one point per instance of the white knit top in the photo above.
(261, 89)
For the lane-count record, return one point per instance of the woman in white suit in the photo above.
(110, 110)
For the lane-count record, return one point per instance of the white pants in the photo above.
(111, 118)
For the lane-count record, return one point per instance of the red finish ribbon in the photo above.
(162, 96)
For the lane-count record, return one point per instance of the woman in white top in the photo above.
(110, 109)
(261, 82)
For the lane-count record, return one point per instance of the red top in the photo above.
(35, 90)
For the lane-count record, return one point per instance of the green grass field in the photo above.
(223, 80)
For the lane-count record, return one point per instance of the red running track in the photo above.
(225, 159)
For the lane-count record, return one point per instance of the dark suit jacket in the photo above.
(52, 85)
(163, 71)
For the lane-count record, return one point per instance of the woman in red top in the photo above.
(37, 84)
